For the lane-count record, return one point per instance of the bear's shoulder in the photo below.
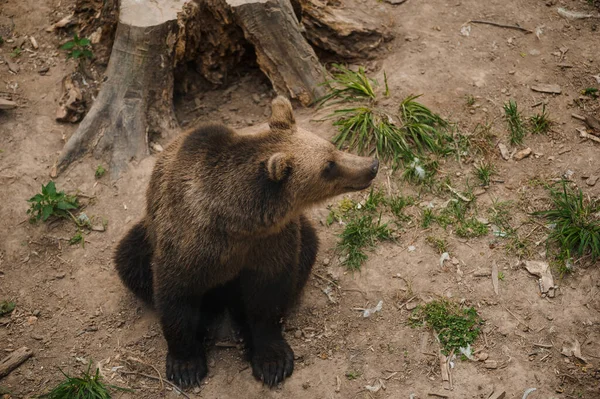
(205, 138)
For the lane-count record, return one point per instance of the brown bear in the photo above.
(224, 231)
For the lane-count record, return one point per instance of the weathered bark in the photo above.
(14, 360)
(347, 29)
(281, 51)
(136, 100)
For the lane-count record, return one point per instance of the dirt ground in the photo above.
(71, 307)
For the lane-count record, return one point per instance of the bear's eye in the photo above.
(330, 170)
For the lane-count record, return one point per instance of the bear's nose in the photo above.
(374, 167)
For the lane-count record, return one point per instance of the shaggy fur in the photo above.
(224, 230)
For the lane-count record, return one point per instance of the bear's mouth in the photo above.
(359, 188)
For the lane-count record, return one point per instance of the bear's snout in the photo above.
(374, 167)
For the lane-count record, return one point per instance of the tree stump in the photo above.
(136, 100)
(281, 51)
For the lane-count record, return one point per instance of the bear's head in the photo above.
(314, 167)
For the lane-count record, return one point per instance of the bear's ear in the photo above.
(282, 114)
(278, 166)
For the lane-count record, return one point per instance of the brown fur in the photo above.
(225, 210)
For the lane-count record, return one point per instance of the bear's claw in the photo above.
(273, 362)
(186, 373)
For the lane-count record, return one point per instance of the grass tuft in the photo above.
(88, 386)
(361, 233)
(484, 172)
(540, 123)
(398, 204)
(392, 135)
(439, 244)
(515, 122)
(456, 327)
(576, 223)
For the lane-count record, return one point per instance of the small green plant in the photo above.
(515, 122)
(484, 172)
(439, 244)
(361, 233)
(1, 40)
(6, 307)
(88, 386)
(590, 92)
(576, 223)
(501, 276)
(338, 213)
(540, 122)
(470, 100)
(77, 239)
(16, 52)
(374, 199)
(78, 48)
(100, 171)
(428, 218)
(455, 326)
(397, 205)
(470, 228)
(352, 374)
(50, 203)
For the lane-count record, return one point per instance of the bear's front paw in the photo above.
(186, 373)
(272, 362)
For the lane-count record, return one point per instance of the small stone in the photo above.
(298, 334)
(306, 385)
(482, 356)
(490, 364)
(44, 70)
(98, 227)
(522, 154)
(411, 305)
(504, 151)
(591, 181)
(411, 248)
(37, 337)
(454, 261)
(37, 313)
(256, 98)
(479, 191)
(326, 261)
(547, 88)
(34, 42)
(483, 220)
(31, 320)
(7, 104)
(60, 275)
(196, 390)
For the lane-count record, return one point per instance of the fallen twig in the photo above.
(155, 379)
(501, 25)
(516, 317)
(160, 379)
(585, 135)
(14, 360)
(326, 279)
(458, 194)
